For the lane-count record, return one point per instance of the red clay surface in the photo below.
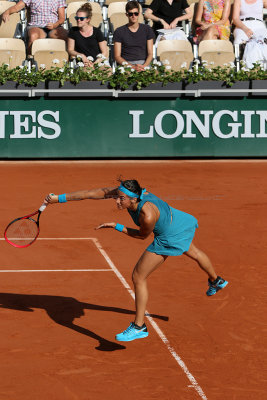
(58, 328)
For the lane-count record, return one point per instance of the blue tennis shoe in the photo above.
(215, 286)
(132, 332)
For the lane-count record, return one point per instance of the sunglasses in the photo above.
(80, 18)
(133, 13)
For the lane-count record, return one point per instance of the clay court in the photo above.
(63, 299)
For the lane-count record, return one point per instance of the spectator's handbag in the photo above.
(255, 52)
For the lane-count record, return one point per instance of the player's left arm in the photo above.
(147, 219)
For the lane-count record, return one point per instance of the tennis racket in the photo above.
(23, 231)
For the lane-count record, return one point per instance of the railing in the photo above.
(127, 93)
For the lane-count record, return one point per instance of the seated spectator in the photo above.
(168, 14)
(133, 42)
(248, 20)
(85, 40)
(251, 30)
(213, 19)
(46, 18)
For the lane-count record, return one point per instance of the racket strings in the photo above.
(22, 232)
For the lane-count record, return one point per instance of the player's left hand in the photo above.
(106, 225)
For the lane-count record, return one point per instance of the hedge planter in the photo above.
(15, 87)
(216, 86)
(81, 89)
(154, 90)
(259, 84)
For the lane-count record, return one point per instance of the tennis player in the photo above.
(173, 234)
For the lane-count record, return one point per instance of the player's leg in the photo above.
(203, 261)
(215, 282)
(147, 263)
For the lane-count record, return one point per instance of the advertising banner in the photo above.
(110, 128)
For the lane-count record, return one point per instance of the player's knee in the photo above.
(194, 253)
(136, 278)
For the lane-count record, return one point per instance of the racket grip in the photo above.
(43, 207)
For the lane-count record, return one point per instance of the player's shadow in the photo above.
(63, 310)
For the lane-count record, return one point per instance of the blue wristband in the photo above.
(119, 227)
(62, 198)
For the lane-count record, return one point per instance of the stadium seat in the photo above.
(108, 2)
(72, 8)
(12, 52)
(177, 52)
(74, 1)
(117, 16)
(44, 51)
(12, 28)
(217, 52)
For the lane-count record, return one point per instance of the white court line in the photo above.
(177, 358)
(56, 270)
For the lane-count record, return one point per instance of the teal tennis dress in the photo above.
(174, 230)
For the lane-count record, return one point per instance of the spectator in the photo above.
(251, 30)
(248, 20)
(167, 14)
(46, 18)
(85, 40)
(133, 42)
(213, 19)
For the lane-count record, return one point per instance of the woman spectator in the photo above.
(167, 14)
(251, 30)
(212, 16)
(85, 40)
(248, 20)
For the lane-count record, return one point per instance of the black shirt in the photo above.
(133, 44)
(163, 10)
(87, 45)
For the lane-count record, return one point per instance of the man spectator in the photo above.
(46, 18)
(133, 42)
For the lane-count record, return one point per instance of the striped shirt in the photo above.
(43, 12)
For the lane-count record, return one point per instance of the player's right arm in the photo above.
(94, 194)
(11, 10)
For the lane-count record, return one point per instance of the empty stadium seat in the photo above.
(45, 51)
(177, 52)
(218, 52)
(12, 52)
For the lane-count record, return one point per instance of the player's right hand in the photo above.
(51, 198)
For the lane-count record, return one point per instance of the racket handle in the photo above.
(43, 207)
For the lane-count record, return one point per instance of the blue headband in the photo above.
(131, 194)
